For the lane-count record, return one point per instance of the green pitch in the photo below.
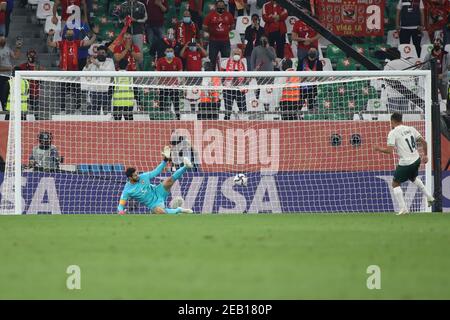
(226, 256)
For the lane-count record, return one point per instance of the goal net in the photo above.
(304, 140)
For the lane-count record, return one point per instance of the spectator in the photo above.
(186, 30)
(234, 63)
(45, 156)
(195, 9)
(129, 51)
(138, 13)
(158, 48)
(68, 48)
(237, 4)
(6, 54)
(252, 38)
(3, 7)
(169, 96)
(440, 55)
(156, 9)
(306, 38)
(218, 24)
(447, 31)
(263, 58)
(123, 94)
(33, 99)
(24, 92)
(9, 9)
(275, 17)
(290, 102)
(64, 4)
(310, 63)
(192, 53)
(101, 92)
(209, 104)
(410, 22)
(80, 33)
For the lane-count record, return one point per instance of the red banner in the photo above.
(436, 12)
(359, 18)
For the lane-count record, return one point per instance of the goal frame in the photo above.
(19, 75)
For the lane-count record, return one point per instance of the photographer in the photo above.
(45, 156)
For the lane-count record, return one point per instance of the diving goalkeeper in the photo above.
(138, 187)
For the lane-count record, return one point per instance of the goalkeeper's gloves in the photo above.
(166, 153)
(122, 212)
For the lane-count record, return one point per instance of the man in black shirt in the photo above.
(253, 34)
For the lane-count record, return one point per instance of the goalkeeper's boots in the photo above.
(166, 153)
(183, 210)
(402, 212)
(187, 163)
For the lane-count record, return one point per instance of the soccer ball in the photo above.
(240, 179)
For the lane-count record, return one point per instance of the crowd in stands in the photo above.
(194, 39)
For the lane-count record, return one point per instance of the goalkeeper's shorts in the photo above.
(161, 197)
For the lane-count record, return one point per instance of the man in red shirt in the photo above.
(68, 61)
(167, 96)
(156, 9)
(275, 17)
(186, 30)
(195, 9)
(127, 50)
(192, 53)
(33, 98)
(64, 15)
(218, 24)
(306, 38)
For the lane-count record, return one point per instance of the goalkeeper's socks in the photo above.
(398, 193)
(422, 188)
(173, 211)
(177, 175)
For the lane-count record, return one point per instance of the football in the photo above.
(240, 179)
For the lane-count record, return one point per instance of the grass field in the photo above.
(291, 256)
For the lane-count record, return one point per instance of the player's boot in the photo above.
(183, 210)
(166, 153)
(431, 201)
(402, 212)
(187, 162)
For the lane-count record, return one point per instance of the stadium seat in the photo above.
(96, 168)
(33, 2)
(242, 23)
(314, 116)
(346, 64)
(326, 63)
(235, 39)
(83, 168)
(425, 39)
(107, 167)
(44, 9)
(393, 38)
(118, 168)
(290, 21)
(49, 25)
(407, 51)
(426, 48)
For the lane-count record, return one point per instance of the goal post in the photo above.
(304, 139)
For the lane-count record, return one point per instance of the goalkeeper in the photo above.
(138, 187)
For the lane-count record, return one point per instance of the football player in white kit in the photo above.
(405, 140)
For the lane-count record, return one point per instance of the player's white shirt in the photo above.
(404, 139)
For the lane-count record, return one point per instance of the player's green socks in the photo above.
(172, 211)
(177, 175)
(398, 193)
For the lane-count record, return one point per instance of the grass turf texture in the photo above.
(291, 256)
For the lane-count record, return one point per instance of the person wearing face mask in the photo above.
(192, 54)
(440, 55)
(6, 54)
(195, 9)
(310, 63)
(100, 91)
(186, 30)
(158, 48)
(138, 13)
(306, 38)
(154, 27)
(33, 98)
(168, 96)
(68, 49)
(275, 17)
(252, 39)
(129, 51)
(234, 63)
(218, 25)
